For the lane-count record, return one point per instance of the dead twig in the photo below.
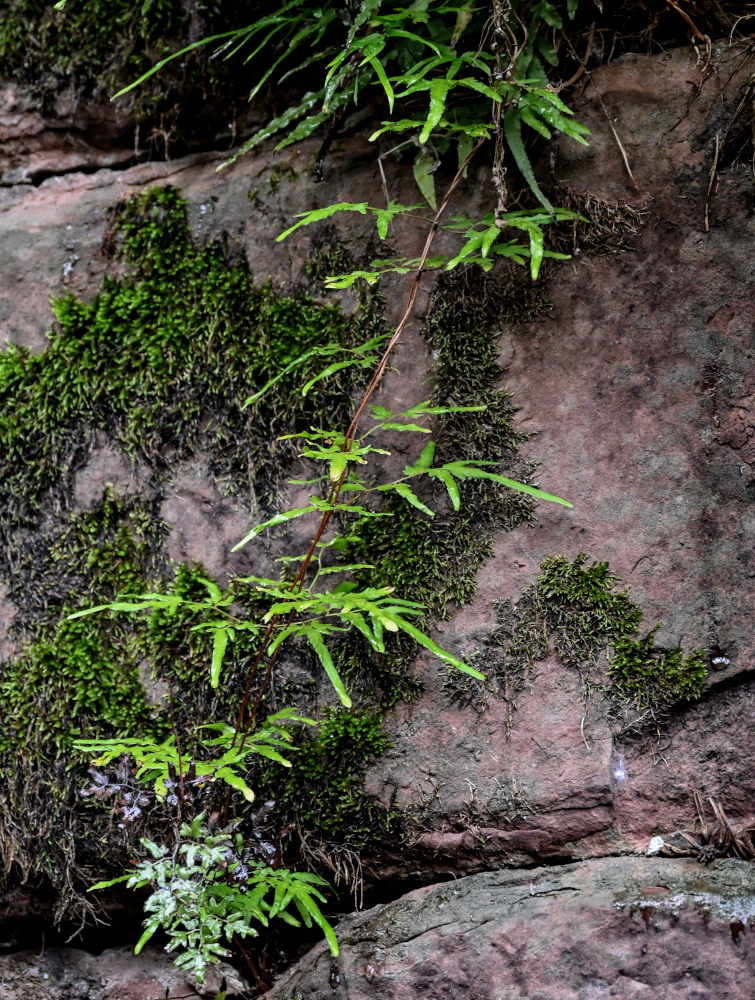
(712, 840)
(618, 141)
(683, 13)
(583, 62)
(712, 184)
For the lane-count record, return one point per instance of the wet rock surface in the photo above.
(627, 386)
(115, 974)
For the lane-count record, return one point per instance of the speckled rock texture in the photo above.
(114, 974)
(632, 389)
(627, 928)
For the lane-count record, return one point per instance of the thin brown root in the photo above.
(712, 185)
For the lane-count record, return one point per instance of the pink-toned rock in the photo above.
(207, 525)
(7, 613)
(620, 927)
(638, 391)
(708, 748)
(486, 793)
(107, 466)
(115, 974)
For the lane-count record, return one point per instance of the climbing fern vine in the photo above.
(439, 80)
(438, 83)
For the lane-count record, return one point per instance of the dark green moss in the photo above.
(436, 560)
(35, 39)
(650, 680)
(160, 363)
(80, 674)
(323, 791)
(577, 611)
(584, 615)
(73, 678)
(163, 360)
(94, 48)
(582, 611)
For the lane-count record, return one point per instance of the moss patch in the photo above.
(651, 680)
(436, 561)
(74, 677)
(160, 362)
(323, 790)
(582, 610)
(577, 610)
(38, 41)
(97, 47)
(79, 671)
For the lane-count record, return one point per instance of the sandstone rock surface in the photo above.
(627, 928)
(637, 389)
(115, 974)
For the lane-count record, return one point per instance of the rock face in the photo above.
(620, 927)
(637, 388)
(72, 974)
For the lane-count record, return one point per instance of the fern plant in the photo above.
(447, 77)
(210, 891)
(165, 767)
(303, 606)
(202, 892)
(452, 76)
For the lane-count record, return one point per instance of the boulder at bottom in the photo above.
(624, 927)
(114, 974)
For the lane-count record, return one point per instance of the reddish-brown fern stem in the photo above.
(336, 486)
(260, 976)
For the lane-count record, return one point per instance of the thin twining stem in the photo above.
(336, 486)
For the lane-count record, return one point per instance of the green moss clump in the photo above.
(82, 677)
(80, 673)
(436, 561)
(74, 678)
(573, 607)
(648, 679)
(576, 610)
(323, 791)
(96, 47)
(162, 360)
(581, 609)
(37, 39)
(584, 614)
